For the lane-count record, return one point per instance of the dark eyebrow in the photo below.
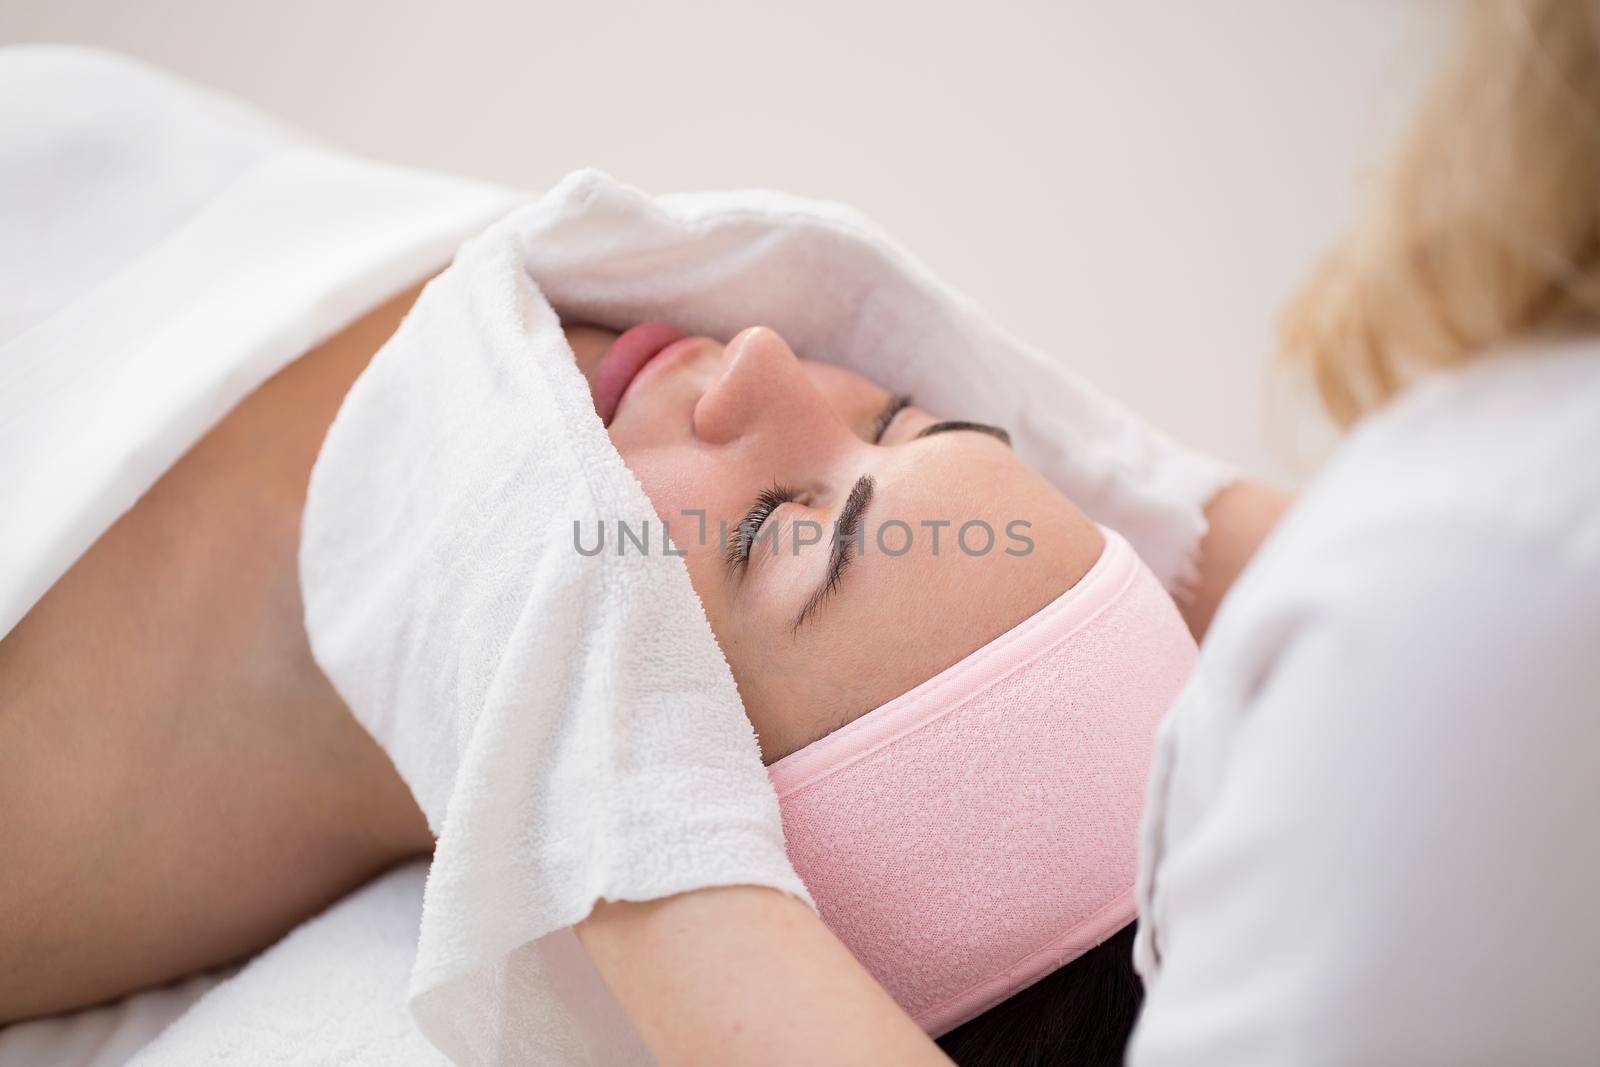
(848, 528)
(846, 531)
(953, 425)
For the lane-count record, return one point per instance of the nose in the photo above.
(761, 389)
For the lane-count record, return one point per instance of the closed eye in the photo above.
(897, 403)
(736, 552)
(900, 401)
(957, 424)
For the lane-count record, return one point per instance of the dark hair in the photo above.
(1080, 1014)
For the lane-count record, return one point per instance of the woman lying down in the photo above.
(952, 672)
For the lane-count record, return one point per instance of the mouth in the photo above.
(627, 357)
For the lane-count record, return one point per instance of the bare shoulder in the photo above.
(179, 783)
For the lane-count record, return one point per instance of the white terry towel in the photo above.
(507, 674)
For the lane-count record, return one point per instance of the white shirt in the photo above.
(1371, 831)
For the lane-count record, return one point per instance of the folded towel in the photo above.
(566, 721)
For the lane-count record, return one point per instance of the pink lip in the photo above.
(625, 358)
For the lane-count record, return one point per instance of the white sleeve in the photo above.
(1401, 863)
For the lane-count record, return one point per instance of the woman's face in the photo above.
(773, 451)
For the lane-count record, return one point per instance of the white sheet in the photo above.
(332, 992)
(106, 1036)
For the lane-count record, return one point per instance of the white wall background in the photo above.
(1134, 185)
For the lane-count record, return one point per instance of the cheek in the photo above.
(690, 496)
(677, 481)
(777, 696)
(795, 697)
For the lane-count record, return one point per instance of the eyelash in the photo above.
(896, 405)
(737, 551)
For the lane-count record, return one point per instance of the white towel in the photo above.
(507, 675)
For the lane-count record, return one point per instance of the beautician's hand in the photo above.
(746, 974)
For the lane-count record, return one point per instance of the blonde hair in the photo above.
(1486, 226)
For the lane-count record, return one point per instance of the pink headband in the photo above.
(973, 835)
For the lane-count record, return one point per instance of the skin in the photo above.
(711, 427)
(741, 974)
(179, 783)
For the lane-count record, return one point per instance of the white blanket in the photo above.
(163, 251)
(563, 719)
